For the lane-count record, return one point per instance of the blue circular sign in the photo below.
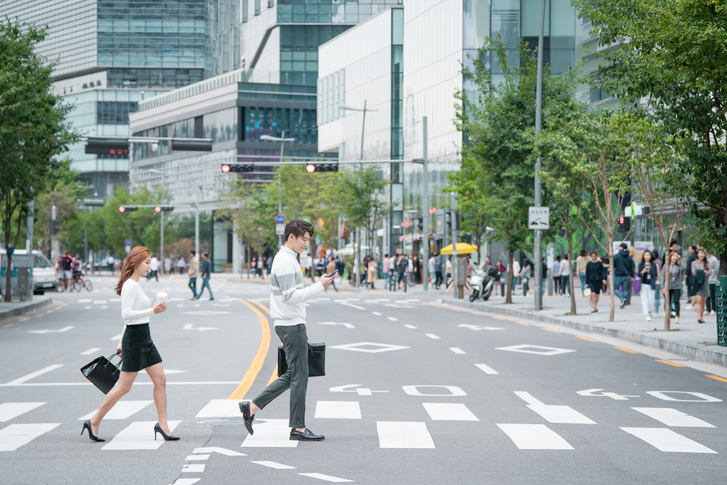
(128, 242)
(280, 219)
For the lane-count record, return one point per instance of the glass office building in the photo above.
(109, 56)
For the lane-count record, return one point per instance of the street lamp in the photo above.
(538, 121)
(161, 252)
(282, 141)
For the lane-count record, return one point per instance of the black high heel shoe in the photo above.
(158, 429)
(87, 426)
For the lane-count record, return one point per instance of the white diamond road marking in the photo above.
(347, 325)
(477, 327)
(272, 464)
(326, 478)
(271, 433)
(220, 408)
(338, 410)
(122, 410)
(139, 435)
(10, 410)
(99, 302)
(457, 350)
(442, 411)
(193, 468)
(403, 434)
(668, 440)
(35, 374)
(432, 336)
(451, 391)
(16, 435)
(664, 396)
(486, 369)
(197, 457)
(535, 349)
(672, 417)
(373, 348)
(534, 437)
(553, 413)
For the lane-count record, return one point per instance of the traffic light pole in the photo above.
(425, 209)
(538, 267)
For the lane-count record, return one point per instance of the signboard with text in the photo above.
(539, 218)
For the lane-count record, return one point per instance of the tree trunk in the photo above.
(610, 282)
(510, 275)
(570, 275)
(723, 264)
(7, 297)
(667, 300)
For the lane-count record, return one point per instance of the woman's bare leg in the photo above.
(126, 379)
(156, 373)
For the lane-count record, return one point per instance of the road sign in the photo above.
(406, 224)
(127, 242)
(539, 218)
(279, 229)
(280, 218)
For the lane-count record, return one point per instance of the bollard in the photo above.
(721, 304)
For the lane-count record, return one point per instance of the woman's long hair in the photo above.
(134, 259)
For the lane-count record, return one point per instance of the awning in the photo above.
(462, 248)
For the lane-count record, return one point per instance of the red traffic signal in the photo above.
(225, 168)
(624, 224)
(621, 220)
(127, 208)
(157, 209)
(122, 208)
(321, 167)
(310, 168)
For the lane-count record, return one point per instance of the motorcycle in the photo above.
(482, 282)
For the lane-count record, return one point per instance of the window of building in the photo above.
(114, 112)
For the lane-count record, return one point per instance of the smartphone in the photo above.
(332, 274)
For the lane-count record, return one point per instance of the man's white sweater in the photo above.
(287, 291)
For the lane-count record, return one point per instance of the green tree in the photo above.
(143, 226)
(33, 128)
(673, 54)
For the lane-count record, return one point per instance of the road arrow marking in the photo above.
(64, 329)
(612, 395)
(476, 327)
(216, 449)
(201, 329)
(347, 325)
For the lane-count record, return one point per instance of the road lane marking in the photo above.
(554, 413)
(403, 434)
(138, 436)
(35, 374)
(432, 336)
(351, 305)
(16, 435)
(393, 319)
(136, 383)
(497, 318)
(669, 363)
(432, 304)
(586, 338)
(523, 323)
(61, 330)
(447, 411)
(85, 300)
(9, 325)
(257, 363)
(326, 478)
(369, 347)
(672, 417)
(272, 464)
(220, 408)
(451, 391)
(91, 351)
(338, 410)
(550, 330)
(216, 449)
(626, 350)
(197, 458)
(535, 349)
(270, 433)
(410, 326)
(116, 337)
(667, 440)
(486, 369)
(716, 378)
(193, 468)
(186, 481)
(122, 410)
(457, 350)
(376, 313)
(534, 437)
(10, 410)
(25, 319)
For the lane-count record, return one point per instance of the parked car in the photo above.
(44, 275)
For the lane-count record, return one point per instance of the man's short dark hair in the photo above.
(673, 242)
(694, 247)
(386, 255)
(623, 246)
(193, 252)
(205, 254)
(298, 228)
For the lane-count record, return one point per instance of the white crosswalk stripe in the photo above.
(122, 410)
(10, 410)
(672, 417)
(552, 413)
(139, 435)
(667, 440)
(220, 408)
(534, 437)
(16, 435)
(270, 433)
(443, 411)
(404, 434)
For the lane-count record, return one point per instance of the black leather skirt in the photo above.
(137, 349)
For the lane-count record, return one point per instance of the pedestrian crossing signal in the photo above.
(624, 224)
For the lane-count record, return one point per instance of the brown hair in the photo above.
(298, 229)
(134, 259)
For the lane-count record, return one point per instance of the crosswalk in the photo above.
(415, 434)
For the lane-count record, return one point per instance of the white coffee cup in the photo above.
(162, 297)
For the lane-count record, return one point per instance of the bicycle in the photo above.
(78, 282)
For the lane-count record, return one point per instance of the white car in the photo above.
(44, 275)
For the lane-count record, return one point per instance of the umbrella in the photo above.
(347, 250)
(462, 248)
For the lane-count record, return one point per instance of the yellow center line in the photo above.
(58, 307)
(523, 323)
(257, 362)
(8, 325)
(266, 309)
(432, 304)
(550, 330)
(25, 319)
(498, 318)
(49, 311)
(626, 350)
(586, 338)
(669, 363)
(717, 378)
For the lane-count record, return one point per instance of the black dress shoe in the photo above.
(245, 410)
(306, 435)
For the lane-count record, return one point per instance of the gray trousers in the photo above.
(295, 343)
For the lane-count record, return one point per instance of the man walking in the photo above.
(623, 269)
(205, 274)
(438, 270)
(690, 278)
(330, 268)
(387, 265)
(287, 308)
(713, 282)
(66, 268)
(193, 273)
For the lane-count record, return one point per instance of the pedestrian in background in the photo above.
(269, 266)
(525, 276)
(544, 275)
(555, 274)
(168, 265)
(713, 282)
(448, 270)
(401, 271)
(700, 282)
(623, 268)
(692, 250)
(154, 271)
(372, 273)
(565, 272)
(675, 270)
(501, 273)
(438, 270)
(410, 269)
(581, 263)
(340, 266)
(330, 268)
(193, 273)
(657, 285)
(606, 268)
(515, 274)
(596, 276)
(431, 263)
(181, 264)
(136, 347)
(648, 273)
(205, 274)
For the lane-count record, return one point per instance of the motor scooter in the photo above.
(482, 282)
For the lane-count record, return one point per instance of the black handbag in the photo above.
(316, 360)
(102, 373)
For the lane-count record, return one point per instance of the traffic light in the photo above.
(55, 227)
(164, 208)
(192, 145)
(237, 167)
(420, 222)
(321, 167)
(624, 224)
(128, 208)
(107, 146)
(35, 215)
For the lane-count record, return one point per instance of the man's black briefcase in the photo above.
(316, 360)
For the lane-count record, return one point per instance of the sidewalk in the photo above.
(693, 340)
(17, 308)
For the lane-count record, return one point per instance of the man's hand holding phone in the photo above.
(327, 278)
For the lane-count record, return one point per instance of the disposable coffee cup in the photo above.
(162, 297)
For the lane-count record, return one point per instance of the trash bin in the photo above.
(25, 283)
(721, 304)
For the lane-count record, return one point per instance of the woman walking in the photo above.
(581, 263)
(676, 278)
(136, 347)
(372, 273)
(700, 282)
(525, 276)
(606, 269)
(648, 272)
(596, 274)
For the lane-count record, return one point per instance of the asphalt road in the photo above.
(415, 392)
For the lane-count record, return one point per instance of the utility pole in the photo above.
(425, 209)
(29, 221)
(52, 234)
(538, 125)
(196, 220)
(453, 207)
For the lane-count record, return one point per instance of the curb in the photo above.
(692, 351)
(15, 312)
